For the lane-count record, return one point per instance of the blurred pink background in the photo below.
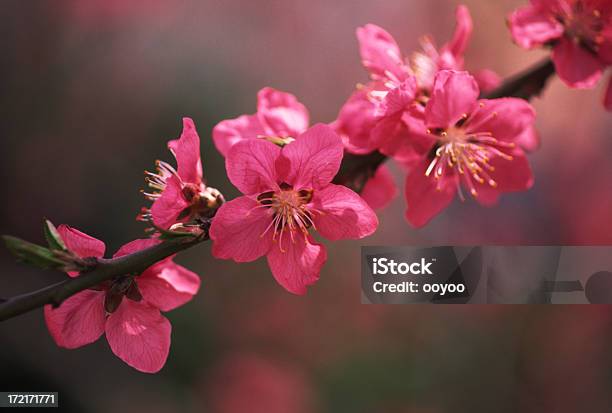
(91, 92)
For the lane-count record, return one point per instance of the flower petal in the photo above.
(356, 119)
(168, 285)
(250, 165)
(533, 26)
(505, 118)
(139, 335)
(380, 53)
(80, 243)
(463, 31)
(79, 320)
(487, 80)
(605, 47)
(228, 132)
(186, 150)
(342, 214)
(167, 208)
(379, 190)
(136, 245)
(281, 113)
(299, 263)
(512, 175)
(426, 197)
(410, 140)
(454, 94)
(399, 98)
(237, 230)
(529, 140)
(314, 158)
(576, 66)
(608, 96)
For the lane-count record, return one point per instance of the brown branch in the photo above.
(104, 269)
(354, 172)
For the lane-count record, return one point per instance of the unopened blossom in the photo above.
(279, 116)
(126, 309)
(467, 145)
(579, 32)
(287, 193)
(180, 196)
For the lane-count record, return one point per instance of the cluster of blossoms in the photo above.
(579, 33)
(423, 110)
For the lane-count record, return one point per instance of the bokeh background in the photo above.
(90, 91)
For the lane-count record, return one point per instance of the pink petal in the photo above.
(487, 196)
(355, 121)
(529, 140)
(454, 94)
(380, 53)
(250, 166)
(389, 134)
(608, 96)
(463, 31)
(186, 150)
(228, 132)
(79, 320)
(533, 26)
(80, 243)
(512, 175)
(605, 47)
(576, 66)
(487, 80)
(299, 263)
(136, 245)
(426, 197)
(237, 230)
(380, 190)
(314, 158)
(342, 214)
(281, 113)
(410, 141)
(139, 335)
(505, 118)
(168, 285)
(399, 98)
(167, 208)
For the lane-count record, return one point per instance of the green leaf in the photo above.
(33, 254)
(53, 237)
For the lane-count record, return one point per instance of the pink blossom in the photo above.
(579, 31)
(279, 115)
(378, 114)
(287, 191)
(379, 190)
(472, 144)
(180, 195)
(126, 308)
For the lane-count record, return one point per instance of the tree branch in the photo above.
(104, 269)
(354, 172)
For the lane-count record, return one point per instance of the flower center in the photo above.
(116, 289)
(468, 154)
(583, 26)
(290, 211)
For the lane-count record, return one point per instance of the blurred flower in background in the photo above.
(91, 93)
